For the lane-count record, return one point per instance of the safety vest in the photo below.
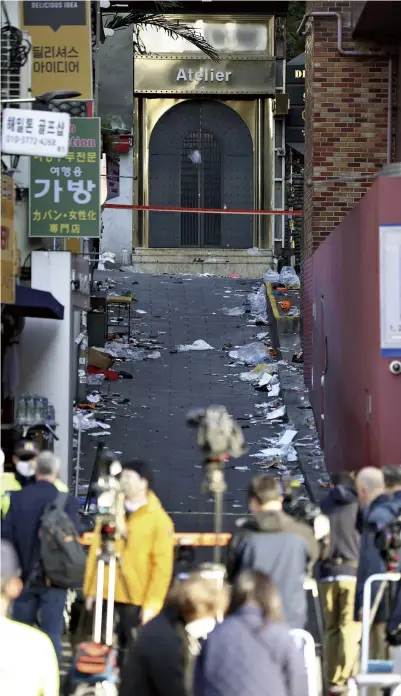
(9, 484)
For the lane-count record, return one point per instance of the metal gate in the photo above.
(200, 188)
(201, 156)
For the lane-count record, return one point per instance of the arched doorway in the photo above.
(201, 156)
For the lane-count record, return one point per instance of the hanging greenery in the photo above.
(155, 16)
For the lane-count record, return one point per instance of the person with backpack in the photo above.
(43, 526)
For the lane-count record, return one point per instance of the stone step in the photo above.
(219, 262)
(203, 253)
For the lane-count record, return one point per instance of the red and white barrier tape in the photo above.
(218, 211)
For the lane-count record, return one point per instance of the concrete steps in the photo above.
(219, 262)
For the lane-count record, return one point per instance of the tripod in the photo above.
(216, 485)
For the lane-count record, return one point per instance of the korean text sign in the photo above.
(27, 132)
(7, 240)
(60, 33)
(64, 196)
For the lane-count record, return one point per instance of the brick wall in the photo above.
(345, 131)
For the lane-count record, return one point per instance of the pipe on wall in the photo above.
(302, 32)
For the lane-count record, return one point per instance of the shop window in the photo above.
(228, 37)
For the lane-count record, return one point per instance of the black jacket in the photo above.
(276, 544)
(22, 522)
(159, 661)
(341, 507)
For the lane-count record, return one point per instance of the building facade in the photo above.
(352, 217)
(211, 135)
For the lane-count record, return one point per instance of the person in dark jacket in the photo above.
(21, 528)
(337, 575)
(392, 481)
(378, 510)
(161, 662)
(277, 545)
(252, 652)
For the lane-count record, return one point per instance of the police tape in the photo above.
(201, 211)
(190, 539)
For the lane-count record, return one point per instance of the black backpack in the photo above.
(62, 557)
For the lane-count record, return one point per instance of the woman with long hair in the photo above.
(252, 653)
(162, 660)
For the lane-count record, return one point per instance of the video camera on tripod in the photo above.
(388, 542)
(94, 669)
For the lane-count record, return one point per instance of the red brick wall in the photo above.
(345, 132)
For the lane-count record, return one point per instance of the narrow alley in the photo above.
(147, 414)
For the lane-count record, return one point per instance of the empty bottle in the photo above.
(125, 257)
(51, 415)
(30, 410)
(20, 414)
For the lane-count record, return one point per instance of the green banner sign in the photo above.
(64, 194)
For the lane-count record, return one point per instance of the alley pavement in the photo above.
(149, 411)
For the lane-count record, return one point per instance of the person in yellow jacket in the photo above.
(146, 556)
(24, 460)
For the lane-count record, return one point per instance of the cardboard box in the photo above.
(98, 358)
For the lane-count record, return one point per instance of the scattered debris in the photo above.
(251, 354)
(233, 311)
(196, 345)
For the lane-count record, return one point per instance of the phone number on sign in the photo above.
(31, 140)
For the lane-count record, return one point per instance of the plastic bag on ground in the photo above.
(289, 278)
(124, 350)
(271, 276)
(233, 311)
(251, 354)
(256, 374)
(257, 301)
(196, 345)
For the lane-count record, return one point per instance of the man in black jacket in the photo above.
(21, 528)
(338, 579)
(277, 545)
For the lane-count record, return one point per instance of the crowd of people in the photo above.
(197, 635)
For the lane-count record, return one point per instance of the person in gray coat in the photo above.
(252, 653)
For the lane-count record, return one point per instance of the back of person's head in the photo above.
(369, 484)
(198, 597)
(343, 478)
(256, 589)
(11, 584)
(392, 478)
(47, 466)
(264, 492)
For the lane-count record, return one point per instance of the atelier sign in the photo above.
(192, 75)
(60, 34)
(40, 133)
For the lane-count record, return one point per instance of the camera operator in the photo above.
(337, 579)
(276, 544)
(378, 510)
(145, 566)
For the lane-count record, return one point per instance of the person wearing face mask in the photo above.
(24, 461)
(146, 556)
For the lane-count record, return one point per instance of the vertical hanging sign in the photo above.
(64, 193)
(8, 245)
(390, 290)
(61, 46)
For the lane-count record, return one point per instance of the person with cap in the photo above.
(28, 663)
(146, 556)
(24, 461)
(21, 527)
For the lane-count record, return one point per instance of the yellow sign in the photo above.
(61, 46)
(8, 244)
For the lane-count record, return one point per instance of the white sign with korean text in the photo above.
(390, 290)
(35, 133)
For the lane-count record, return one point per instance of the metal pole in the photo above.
(77, 467)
